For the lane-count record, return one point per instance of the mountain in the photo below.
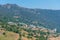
(46, 17)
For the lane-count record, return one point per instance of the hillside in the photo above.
(6, 35)
(47, 18)
(22, 31)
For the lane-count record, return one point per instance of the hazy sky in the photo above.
(43, 4)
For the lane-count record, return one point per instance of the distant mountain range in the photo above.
(46, 17)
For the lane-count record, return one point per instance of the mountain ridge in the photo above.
(45, 17)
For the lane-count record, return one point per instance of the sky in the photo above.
(42, 4)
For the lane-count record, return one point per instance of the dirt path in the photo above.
(17, 37)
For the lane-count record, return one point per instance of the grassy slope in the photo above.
(9, 36)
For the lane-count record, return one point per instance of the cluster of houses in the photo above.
(33, 27)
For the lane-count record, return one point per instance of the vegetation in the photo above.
(9, 36)
(15, 15)
(22, 31)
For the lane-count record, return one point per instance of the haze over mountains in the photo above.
(47, 18)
